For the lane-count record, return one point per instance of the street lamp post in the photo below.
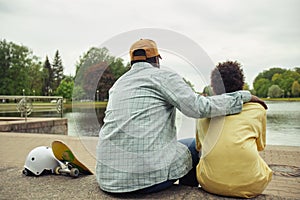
(97, 97)
(33, 95)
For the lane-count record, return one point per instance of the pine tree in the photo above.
(47, 77)
(57, 70)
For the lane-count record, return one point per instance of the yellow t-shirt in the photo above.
(230, 164)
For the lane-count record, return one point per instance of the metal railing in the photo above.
(25, 106)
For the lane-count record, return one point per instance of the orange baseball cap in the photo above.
(148, 45)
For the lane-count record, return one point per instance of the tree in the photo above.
(35, 79)
(65, 88)
(117, 67)
(97, 71)
(263, 81)
(276, 79)
(268, 74)
(17, 63)
(275, 91)
(296, 89)
(261, 87)
(47, 77)
(283, 78)
(57, 70)
(246, 86)
(92, 57)
(288, 78)
(78, 93)
(98, 77)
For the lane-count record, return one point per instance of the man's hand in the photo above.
(255, 99)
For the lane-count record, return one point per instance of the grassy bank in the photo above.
(91, 104)
(281, 99)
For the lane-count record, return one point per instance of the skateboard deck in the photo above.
(63, 153)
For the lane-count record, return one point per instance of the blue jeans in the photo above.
(189, 179)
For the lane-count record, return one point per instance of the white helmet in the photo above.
(40, 159)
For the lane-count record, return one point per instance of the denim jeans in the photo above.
(189, 179)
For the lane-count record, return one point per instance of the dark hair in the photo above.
(227, 77)
(141, 52)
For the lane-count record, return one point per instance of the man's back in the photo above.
(139, 134)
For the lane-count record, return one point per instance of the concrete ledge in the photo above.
(34, 125)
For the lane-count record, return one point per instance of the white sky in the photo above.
(257, 33)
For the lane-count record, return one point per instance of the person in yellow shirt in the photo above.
(230, 164)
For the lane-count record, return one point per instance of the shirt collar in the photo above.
(141, 64)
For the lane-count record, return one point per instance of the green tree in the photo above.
(275, 76)
(268, 74)
(117, 67)
(275, 91)
(90, 58)
(263, 81)
(246, 86)
(57, 70)
(65, 88)
(276, 79)
(35, 79)
(17, 63)
(97, 71)
(288, 78)
(47, 77)
(78, 93)
(296, 89)
(261, 87)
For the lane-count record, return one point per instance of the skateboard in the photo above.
(68, 163)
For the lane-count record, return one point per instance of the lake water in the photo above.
(283, 123)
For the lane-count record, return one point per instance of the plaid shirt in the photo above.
(137, 145)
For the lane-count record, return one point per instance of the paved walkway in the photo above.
(14, 147)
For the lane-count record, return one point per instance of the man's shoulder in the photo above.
(166, 74)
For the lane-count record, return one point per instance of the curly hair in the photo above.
(227, 77)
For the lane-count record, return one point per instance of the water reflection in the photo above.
(85, 121)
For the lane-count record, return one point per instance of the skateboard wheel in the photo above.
(25, 172)
(57, 170)
(74, 172)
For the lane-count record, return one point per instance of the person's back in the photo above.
(143, 144)
(230, 164)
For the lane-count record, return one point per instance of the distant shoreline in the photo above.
(281, 99)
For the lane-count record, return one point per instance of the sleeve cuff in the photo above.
(246, 95)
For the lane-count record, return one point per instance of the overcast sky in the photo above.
(258, 33)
